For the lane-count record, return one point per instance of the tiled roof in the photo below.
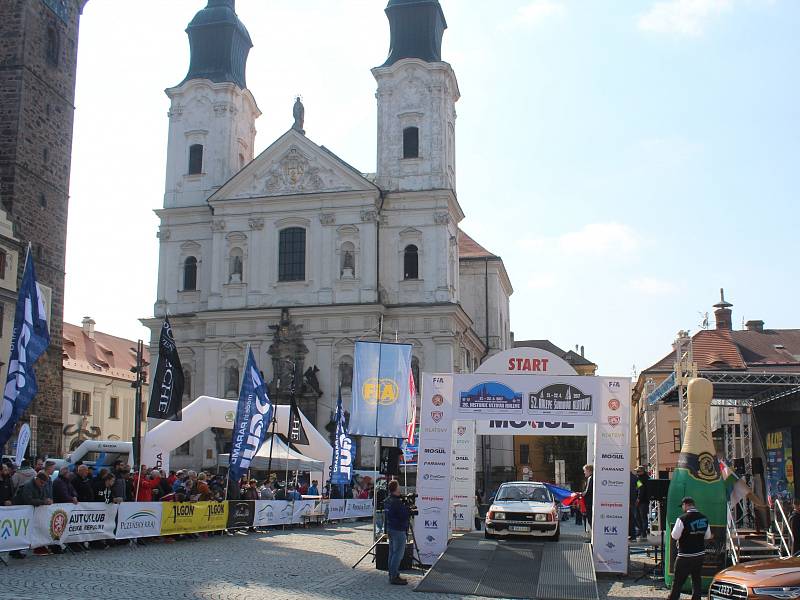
(104, 355)
(722, 350)
(469, 248)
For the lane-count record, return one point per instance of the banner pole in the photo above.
(377, 438)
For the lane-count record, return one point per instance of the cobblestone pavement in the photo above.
(313, 564)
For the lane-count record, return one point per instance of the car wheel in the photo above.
(557, 535)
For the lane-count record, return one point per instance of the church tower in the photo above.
(212, 113)
(416, 95)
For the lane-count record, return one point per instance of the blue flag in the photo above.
(253, 418)
(31, 338)
(558, 492)
(344, 449)
(381, 389)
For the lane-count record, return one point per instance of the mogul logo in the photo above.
(435, 451)
(436, 415)
(497, 424)
(384, 391)
(182, 510)
(58, 524)
(13, 527)
(144, 519)
(612, 455)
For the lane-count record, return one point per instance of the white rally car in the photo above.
(523, 508)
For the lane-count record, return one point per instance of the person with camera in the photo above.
(397, 515)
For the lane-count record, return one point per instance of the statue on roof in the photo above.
(299, 113)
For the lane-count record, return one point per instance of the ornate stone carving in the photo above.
(256, 223)
(327, 218)
(294, 173)
(441, 218)
(164, 234)
(368, 216)
(218, 225)
(175, 113)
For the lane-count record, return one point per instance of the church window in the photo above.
(236, 266)
(411, 262)
(52, 46)
(195, 159)
(411, 142)
(292, 254)
(190, 274)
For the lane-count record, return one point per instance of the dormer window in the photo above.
(411, 142)
(195, 159)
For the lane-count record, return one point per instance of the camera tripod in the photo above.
(415, 560)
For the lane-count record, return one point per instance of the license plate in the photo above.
(520, 529)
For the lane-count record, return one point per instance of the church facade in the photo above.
(298, 254)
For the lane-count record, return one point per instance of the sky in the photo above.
(625, 159)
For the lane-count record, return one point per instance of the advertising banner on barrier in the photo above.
(300, 508)
(139, 519)
(91, 521)
(358, 508)
(336, 509)
(241, 513)
(16, 523)
(272, 512)
(50, 524)
(192, 517)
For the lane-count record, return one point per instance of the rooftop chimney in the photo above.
(723, 313)
(755, 325)
(88, 327)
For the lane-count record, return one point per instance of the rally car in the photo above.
(523, 508)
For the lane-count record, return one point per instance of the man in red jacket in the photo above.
(143, 486)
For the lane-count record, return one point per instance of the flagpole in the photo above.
(377, 439)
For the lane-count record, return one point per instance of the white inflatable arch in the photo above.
(206, 412)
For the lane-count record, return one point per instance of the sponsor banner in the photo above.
(358, 508)
(436, 408)
(50, 524)
(508, 427)
(336, 509)
(193, 517)
(462, 489)
(138, 519)
(300, 508)
(16, 524)
(272, 512)
(91, 521)
(241, 513)
(432, 527)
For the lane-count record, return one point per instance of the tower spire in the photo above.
(417, 27)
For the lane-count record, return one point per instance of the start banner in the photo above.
(15, 527)
(193, 517)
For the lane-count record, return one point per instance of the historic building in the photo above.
(9, 262)
(38, 54)
(99, 402)
(296, 253)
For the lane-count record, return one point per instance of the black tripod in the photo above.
(656, 572)
(415, 560)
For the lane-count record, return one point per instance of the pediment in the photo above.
(293, 165)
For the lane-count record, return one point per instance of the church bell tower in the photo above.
(417, 92)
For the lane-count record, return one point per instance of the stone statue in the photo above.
(236, 268)
(312, 380)
(299, 114)
(349, 261)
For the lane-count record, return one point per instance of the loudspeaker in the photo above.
(390, 461)
(738, 466)
(657, 489)
(758, 466)
(382, 557)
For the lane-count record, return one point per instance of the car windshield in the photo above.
(511, 493)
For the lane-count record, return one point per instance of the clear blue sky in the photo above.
(626, 159)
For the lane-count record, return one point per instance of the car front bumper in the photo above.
(504, 528)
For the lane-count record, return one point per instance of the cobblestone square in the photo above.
(296, 563)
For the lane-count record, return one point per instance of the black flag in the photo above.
(166, 391)
(297, 434)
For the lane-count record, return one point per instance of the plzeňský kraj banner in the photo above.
(381, 390)
(358, 508)
(241, 513)
(193, 517)
(273, 512)
(59, 524)
(139, 519)
(16, 523)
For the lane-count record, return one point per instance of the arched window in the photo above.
(236, 266)
(348, 259)
(232, 378)
(53, 46)
(410, 262)
(346, 372)
(3, 261)
(190, 274)
(411, 142)
(292, 254)
(195, 159)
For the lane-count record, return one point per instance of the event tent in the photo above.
(283, 458)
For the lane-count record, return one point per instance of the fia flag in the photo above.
(253, 417)
(412, 417)
(381, 389)
(344, 449)
(30, 339)
(166, 393)
(297, 434)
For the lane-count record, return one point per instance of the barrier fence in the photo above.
(24, 527)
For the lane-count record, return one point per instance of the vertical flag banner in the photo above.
(23, 439)
(297, 435)
(30, 339)
(253, 417)
(381, 394)
(344, 449)
(412, 411)
(166, 392)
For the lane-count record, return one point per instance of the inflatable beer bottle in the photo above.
(698, 475)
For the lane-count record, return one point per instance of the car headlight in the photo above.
(785, 593)
(499, 516)
(541, 517)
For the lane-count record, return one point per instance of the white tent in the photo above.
(283, 458)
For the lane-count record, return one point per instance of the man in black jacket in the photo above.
(691, 531)
(63, 490)
(397, 516)
(83, 485)
(642, 502)
(588, 494)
